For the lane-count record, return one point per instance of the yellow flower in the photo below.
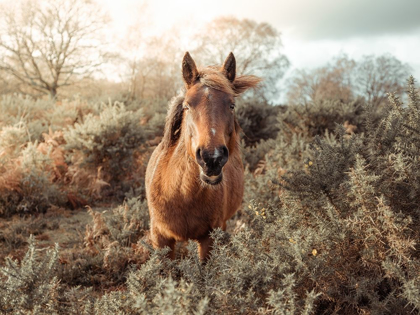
(310, 163)
(314, 252)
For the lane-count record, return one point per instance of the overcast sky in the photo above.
(314, 31)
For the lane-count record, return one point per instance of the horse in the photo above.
(195, 176)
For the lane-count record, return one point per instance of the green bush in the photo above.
(38, 116)
(32, 286)
(363, 189)
(26, 181)
(257, 119)
(106, 145)
(316, 118)
(32, 166)
(329, 226)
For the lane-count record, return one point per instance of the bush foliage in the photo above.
(105, 146)
(68, 153)
(329, 223)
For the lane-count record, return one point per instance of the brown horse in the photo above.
(195, 177)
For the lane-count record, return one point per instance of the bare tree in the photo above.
(50, 44)
(333, 81)
(257, 47)
(149, 62)
(158, 73)
(372, 78)
(154, 72)
(8, 83)
(377, 76)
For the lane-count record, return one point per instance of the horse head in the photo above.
(210, 129)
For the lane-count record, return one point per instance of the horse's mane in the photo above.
(211, 77)
(173, 120)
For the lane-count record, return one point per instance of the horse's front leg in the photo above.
(160, 241)
(205, 245)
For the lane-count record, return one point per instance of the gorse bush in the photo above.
(329, 226)
(38, 116)
(38, 189)
(317, 117)
(390, 148)
(68, 153)
(110, 244)
(257, 119)
(365, 187)
(27, 182)
(106, 145)
(33, 287)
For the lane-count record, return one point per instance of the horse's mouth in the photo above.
(211, 180)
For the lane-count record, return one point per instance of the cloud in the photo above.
(306, 19)
(341, 19)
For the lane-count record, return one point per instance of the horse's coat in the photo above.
(194, 180)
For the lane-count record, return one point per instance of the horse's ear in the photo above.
(189, 70)
(229, 67)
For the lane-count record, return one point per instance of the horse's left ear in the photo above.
(229, 67)
(189, 70)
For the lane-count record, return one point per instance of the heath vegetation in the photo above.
(330, 217)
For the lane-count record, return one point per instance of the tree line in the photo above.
(49, 48)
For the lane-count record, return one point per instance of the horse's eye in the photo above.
(232, 106)
(185, 105)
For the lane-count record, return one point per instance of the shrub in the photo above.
(316, 118)
(329, 226)
(26, 183)
(110, 246)
(32, 286)
(364, 188)
(257, 119)
(102, 150)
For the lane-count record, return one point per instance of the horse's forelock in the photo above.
(215, 79)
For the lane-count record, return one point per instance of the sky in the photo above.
(313, 31)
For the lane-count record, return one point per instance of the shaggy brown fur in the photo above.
(184, 201)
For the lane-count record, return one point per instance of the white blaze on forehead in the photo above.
(213, 131)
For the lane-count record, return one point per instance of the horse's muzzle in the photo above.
(212, 161)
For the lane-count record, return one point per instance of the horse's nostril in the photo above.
(225, 151)
(225, 156)
(199, 157)
(212, 160)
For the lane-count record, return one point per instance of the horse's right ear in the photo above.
(189, 70)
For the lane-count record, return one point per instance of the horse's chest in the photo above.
(189, 218)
